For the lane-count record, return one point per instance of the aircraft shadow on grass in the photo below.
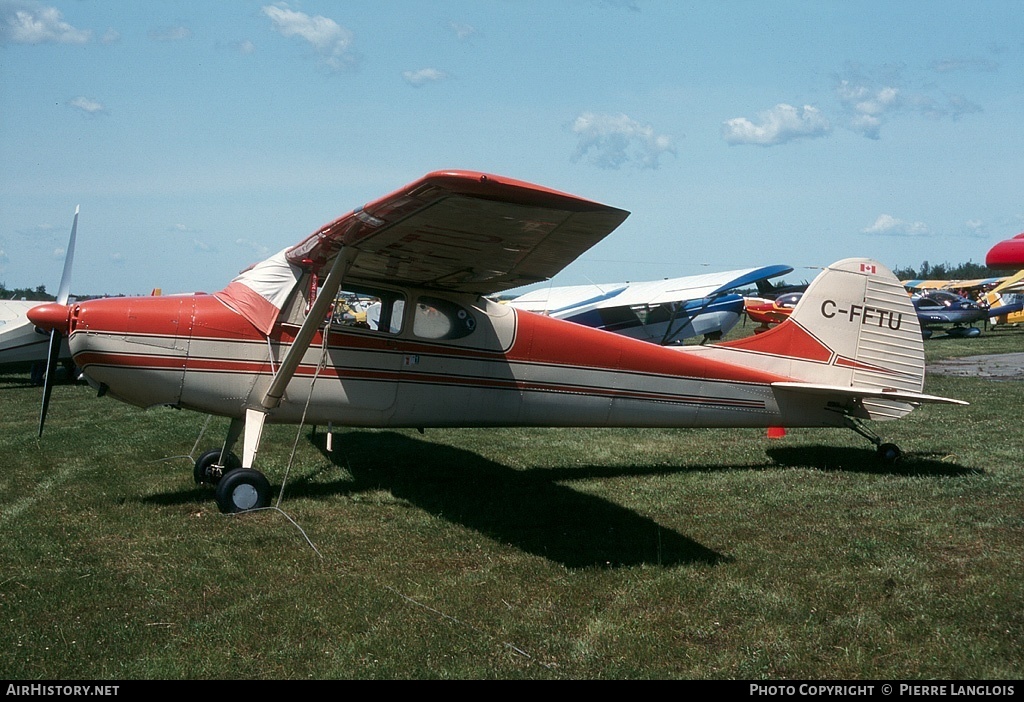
(857, 460)
(526, 509)
(533, 511)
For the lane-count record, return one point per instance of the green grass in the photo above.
(514, 553)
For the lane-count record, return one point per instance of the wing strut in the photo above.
(255, 417)
(671, 334)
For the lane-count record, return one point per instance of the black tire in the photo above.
(241, 490)
(889, 453)
(208, 472)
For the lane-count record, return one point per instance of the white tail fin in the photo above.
(854, 333)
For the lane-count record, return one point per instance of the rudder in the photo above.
(855, 326)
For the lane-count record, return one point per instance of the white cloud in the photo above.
(609, 141)
(259, 249)
(970, 65)
(887, 225)
(418, 79)
(778, 125)
(975, 228)
(22, 23)
(462, 31)
(87, 105)
(331, 42)
(870, 107)
(170, 33)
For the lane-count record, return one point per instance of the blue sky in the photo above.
(199, 137)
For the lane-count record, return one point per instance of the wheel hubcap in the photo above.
(245, 496)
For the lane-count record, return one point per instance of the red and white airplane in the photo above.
(284, 341)
(1007, 254)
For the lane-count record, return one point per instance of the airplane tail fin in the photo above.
(854, 340)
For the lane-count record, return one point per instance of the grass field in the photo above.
(510, 553)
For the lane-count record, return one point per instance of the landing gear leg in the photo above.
(212, 465)
(244, 489)
(887, 453)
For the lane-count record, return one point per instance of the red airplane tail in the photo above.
(854, 334)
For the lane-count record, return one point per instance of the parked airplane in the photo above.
(999, 297)
(769, 311)
(20, 342)
(661, 311)
(1007, 254)
(974, 287)
(440, 353)
(937, 309)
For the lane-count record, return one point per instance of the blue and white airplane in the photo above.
(664, 312)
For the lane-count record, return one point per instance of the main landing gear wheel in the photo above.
(241, 490)
(889, 453)
(208, 470)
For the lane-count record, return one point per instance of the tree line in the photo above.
(946, 271)
(38, 294)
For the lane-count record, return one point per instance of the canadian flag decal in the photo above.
(868, 268)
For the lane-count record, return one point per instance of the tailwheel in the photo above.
(209, 469)
(241, 490)
(887, 453)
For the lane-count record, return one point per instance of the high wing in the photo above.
(460, 231)
(463, 231)
(1011, 283)
(568, 301)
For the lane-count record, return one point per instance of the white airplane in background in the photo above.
(20, 343)
(660, 311)
(443, 354)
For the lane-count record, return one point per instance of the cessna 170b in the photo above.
(440, 353)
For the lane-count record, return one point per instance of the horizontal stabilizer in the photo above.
(867, 393)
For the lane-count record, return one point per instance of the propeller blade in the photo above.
(64, 291)
(51, 371)
(53, 351)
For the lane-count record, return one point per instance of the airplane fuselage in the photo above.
(499, 367)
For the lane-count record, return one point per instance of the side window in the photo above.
(369, 308)
(441, 319)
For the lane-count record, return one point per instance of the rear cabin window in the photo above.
(441, 319)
